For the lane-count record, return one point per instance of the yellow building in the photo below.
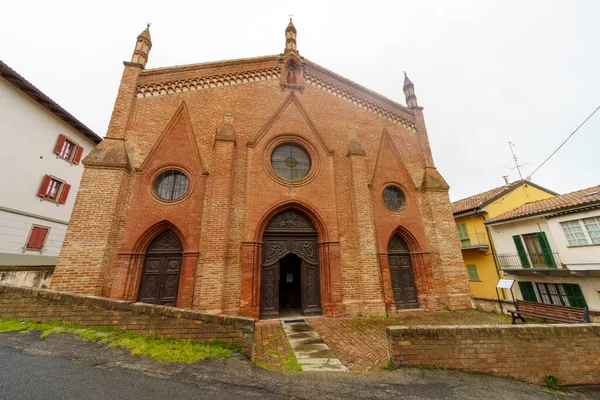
(477, 248)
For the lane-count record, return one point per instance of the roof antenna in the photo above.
(511, 145)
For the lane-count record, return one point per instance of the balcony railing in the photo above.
(509, 261)
(475, 241)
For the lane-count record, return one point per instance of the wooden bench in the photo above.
(574, 315)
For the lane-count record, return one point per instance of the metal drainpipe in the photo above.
(489, 233)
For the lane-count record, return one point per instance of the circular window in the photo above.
(171, 185)
(394, 198)
(290, 161)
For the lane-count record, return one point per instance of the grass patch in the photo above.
(291, 363)
(389, 366)
(160, 349)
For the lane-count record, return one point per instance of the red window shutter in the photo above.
(64, 193)
(33, 238)
(43, 232)
(44, 186)
(59, 144)
(78, 154)
(37, 238)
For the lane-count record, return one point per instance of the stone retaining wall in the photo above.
(526, 352)
(30, 276)
(48, 305)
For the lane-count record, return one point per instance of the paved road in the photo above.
(24, 376)
(62, 366)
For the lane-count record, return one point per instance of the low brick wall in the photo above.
(526, 352)
(48, 305)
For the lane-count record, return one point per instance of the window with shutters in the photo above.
(561, 294)
(68, 149)
(54, 189)
(463, 235)
(473, 274)
(37, 238)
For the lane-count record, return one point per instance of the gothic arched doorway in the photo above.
(162, 266)
(290, 267)
(401, 273)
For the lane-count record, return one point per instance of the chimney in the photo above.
(506, 180)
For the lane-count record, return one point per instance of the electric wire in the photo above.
(562, 144)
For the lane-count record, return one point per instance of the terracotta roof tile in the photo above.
(576, 199)
(479, 199)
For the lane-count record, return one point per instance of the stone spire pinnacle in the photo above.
(290, 38)
(142, 48)
(409, 93)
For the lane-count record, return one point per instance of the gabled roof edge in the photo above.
(42, 99)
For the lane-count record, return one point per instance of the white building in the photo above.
(41, 148)
(551, 248)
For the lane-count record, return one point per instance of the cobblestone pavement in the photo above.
(361, 345)
(271, 348)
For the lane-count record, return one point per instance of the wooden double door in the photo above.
(161, 272)
(290, 275)
(402, 275)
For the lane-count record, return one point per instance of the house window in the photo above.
(37, 238)
(565, 294)
(54, 189)
(592, 225)
(472, 270)
(68, 149)
(463, 235)
(551, 293)
(574, 233)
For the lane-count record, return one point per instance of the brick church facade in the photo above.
(262, 186)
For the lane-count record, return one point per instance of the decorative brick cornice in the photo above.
(315, 75)
(207, 82)
(310, 78)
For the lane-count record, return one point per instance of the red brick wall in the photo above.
(221, 222)
(527, 352)
(48, 305)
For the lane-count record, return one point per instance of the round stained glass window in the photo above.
(290, 161)
(394, 198)
(171, 185)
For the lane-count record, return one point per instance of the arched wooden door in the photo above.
(160, 275)
(401, 272)
(290, 233)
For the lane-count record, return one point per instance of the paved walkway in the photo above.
(361, 343)
(271, 348)
(310, 350)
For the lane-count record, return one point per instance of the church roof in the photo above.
(37, 95)
(167, 80)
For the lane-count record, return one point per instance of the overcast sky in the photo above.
(486, 72)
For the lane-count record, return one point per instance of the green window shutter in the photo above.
(546, 250)
(472, 270)
(527, 291)
(462, 231)
(574, 295)
(521, 251)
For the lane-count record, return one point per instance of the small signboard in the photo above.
(505, 283)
